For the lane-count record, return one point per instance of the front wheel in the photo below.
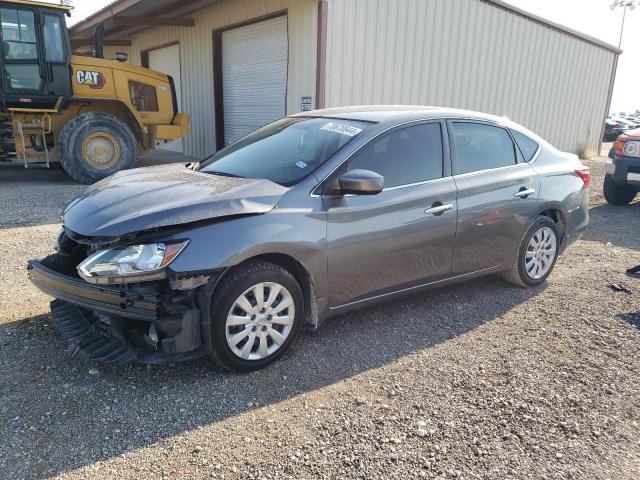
(94, 145)
(537, 254)
(616, 194)
(257, 314)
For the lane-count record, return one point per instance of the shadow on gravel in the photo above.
(632, 318)
(615, 224)
(58, 415)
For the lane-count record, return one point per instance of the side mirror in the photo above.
(361, 182)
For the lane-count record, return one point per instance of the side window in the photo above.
(409, 155)
(54, 46)
(18, 34)
(143, 96)
(527, 146)
(482, 147)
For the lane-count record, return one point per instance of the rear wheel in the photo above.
(94, 145)
(257, 314)
(616, 194)
(537, 254)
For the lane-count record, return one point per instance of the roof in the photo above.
(395, 114)
(178, 8)
(383, 113)
(66, 8)
(133, 8)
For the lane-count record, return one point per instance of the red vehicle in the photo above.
(622, 181)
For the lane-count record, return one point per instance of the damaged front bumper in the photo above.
(146, 323)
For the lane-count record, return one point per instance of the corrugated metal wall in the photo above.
(468, 54)
(196, 50)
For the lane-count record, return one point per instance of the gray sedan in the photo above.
(309, 217)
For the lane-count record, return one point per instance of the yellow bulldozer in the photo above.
(89, 115)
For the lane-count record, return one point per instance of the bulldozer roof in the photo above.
(66, 8)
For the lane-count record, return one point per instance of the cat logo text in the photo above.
(91, 79)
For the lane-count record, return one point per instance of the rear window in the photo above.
(482, 147)
(143, 96)
(527, 147)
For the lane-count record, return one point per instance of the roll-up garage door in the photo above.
(167, 60)
(254, 76)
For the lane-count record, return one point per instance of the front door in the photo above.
(403, 236)
(35, 57)
(497, 193)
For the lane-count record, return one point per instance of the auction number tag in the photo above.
(342, 129)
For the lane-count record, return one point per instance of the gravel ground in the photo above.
(477, 381)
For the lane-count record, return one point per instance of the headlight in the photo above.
(130, 264)
(632, 149)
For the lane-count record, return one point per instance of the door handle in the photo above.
(524, 193)
(438, 208)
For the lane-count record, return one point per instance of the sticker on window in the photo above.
(342, 129)
(301, 164)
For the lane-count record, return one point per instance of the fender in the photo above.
(302, 236)
(127, 115)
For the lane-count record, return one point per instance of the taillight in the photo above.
(585, 174)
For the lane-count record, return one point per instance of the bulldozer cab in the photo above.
(35, 55)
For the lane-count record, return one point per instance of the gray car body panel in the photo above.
(166, 195)
(356, 250)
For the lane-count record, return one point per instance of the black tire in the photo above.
(233, 286)
(517, 274)
(78, 129)
(616, 194)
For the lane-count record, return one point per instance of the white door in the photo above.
(254, 76)
(167, 60)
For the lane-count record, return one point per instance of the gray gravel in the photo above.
(477, 381)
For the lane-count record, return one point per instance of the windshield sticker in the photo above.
(342, 129)
(301, 164)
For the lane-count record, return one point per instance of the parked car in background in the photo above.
(632, 118)
(628, 123)
(311, 216)
(622, 179)
(612, 130)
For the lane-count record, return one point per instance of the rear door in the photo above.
(403, 236)
(497, 194)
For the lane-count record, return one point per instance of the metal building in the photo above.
(239, 64)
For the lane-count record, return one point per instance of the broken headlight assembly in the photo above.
(134, 263)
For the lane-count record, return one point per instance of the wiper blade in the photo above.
(222, 174)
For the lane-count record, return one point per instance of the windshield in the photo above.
(285, 151)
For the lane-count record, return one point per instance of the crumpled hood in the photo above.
(162, 196)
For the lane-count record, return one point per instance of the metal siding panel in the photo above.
(197, 58)
(468, 54)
